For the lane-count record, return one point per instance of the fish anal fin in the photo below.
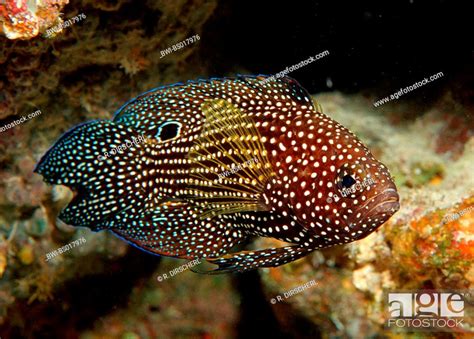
(161, 249)
(172, 229)
(249, 260)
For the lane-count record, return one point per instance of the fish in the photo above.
(286, 164)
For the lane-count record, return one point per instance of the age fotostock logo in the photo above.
(427, 310)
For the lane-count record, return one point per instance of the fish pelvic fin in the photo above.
(229, 164)
(102, 163)
(249, 260)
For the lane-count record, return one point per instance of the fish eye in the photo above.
(347, 181)
(168, 131)
(345, 177)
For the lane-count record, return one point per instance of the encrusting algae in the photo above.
(25, 19)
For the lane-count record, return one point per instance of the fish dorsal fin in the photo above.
(284, 86)
(229, 164)
(300, 94)
(181, 103)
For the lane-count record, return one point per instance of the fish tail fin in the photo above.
(100, 161)
(250, 260)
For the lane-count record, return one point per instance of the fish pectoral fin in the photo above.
(229, 164)
(250, 260)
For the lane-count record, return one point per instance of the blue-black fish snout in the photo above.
(102, 186)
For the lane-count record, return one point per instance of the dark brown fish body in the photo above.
(225, 160)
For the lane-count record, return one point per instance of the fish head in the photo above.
(341, 192)
(364, 193)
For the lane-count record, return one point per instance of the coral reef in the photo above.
(23, 19)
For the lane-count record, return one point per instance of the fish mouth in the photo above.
(388, 203)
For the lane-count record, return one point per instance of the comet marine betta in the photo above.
(165, 195)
